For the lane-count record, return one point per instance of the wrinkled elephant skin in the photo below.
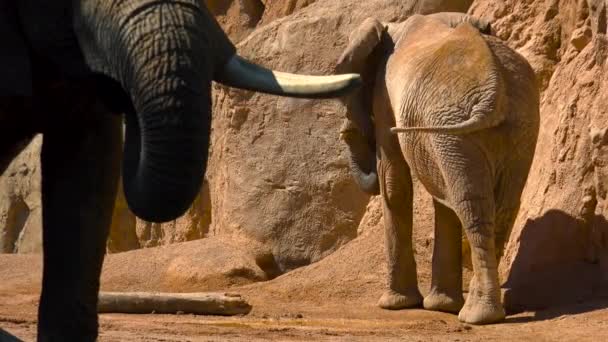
(461, 110)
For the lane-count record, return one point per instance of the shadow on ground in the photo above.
(561, 267)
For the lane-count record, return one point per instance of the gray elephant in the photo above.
(67, 68)
(461, 110)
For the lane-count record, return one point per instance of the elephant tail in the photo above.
(477, 122)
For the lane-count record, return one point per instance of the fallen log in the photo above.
(201, 303)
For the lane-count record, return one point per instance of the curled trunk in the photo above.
(362, 155)
(159, 53)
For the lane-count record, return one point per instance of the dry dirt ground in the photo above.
(294, 321)
(330, 300)
(326, 301)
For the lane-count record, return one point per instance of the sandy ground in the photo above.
(314, 313)
(331, 300)
(332, 322)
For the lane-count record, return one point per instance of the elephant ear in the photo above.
(362, 56)
(453, 19)
(15, 64)
(362, 43)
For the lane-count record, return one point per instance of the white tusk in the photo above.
(240, 73)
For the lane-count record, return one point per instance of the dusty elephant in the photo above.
(461, 110)
(66, 68)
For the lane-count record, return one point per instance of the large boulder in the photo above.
(20, 203)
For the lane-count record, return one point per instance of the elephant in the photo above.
(446, 100)
(69, 70)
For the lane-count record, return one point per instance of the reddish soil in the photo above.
(296, 321)
(332, 300)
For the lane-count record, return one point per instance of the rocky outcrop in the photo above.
(559, 249)
(20, 203)
(237, 17)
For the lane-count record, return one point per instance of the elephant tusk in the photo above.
(240, 73)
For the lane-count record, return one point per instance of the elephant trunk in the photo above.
(166, 146)
(165, 54)
(160, 54)
(167, 138)
(362, 155)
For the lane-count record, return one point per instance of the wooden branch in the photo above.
(201, 303)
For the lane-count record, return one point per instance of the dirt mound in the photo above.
(201, 265)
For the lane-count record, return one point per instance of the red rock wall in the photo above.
(558, 247)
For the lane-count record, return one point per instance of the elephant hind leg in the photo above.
(397, 193)
(508, 194)
(483, 304)
(446, 282)
(505, 219)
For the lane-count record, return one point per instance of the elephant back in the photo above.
(443, 69)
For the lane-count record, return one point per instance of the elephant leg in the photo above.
(483, 304)
(396, 190)
(508, 195)
(446, 282)
(80, 170)
(505, 219)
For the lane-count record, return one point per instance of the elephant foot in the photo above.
(392, 300)
(481, 310)
(438, 300)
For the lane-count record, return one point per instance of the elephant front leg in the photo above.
(79, 181)
(396, 190)
(483, 304)
(446, 282)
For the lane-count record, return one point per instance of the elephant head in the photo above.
(155, 61)
(369, 47)
(362, 56)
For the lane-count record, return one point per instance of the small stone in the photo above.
(581, 37)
